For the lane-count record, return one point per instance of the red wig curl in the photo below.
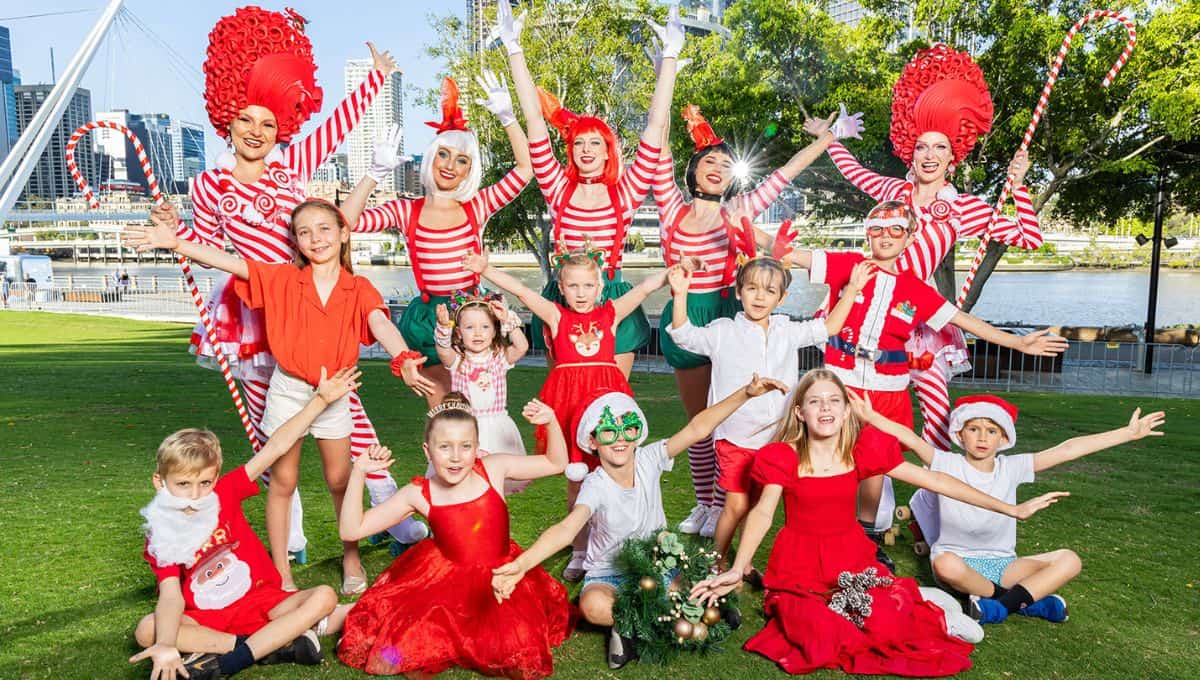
(571, 125)
(940, 90)
(257, 57)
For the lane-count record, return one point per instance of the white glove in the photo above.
(654, 53)
(508, 27)
(847, 124)
(498, 100)
(387, 155)
(672, 36)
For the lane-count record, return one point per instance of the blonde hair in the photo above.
(454, 408)
(188, 450)
(792, 429)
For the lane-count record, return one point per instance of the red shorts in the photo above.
(897, 406)
(244, 617)
(734, 463)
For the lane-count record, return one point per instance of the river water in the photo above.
(1073, 298)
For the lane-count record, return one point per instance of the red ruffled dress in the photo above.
(433, 608)
(821, 538)
(585, 361)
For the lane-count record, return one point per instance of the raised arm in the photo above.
(908, 439)
(328, 391)
(707, 420)
(672, 37)
(629, 302)
(206, 228)
(506, 577)
(161, 233)
(533, 467)
(443, 338)
(353, 523)
(1077, 447)
(862, 273)
(499, 103)
(680, 280)
(510, 35)
(946, 485)
(544, 309)
(1038, 343)
(758, 523)
(384, 160)
(510, 327)
(977, 217)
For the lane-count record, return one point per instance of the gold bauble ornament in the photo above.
(711, 616)
(683, 628)
(700, 632)
(648, 583)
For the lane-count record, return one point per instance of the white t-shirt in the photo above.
(619, 514)
(970, 531)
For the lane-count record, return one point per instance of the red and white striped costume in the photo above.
(573, 224)
(950, 217)
(436, 253)
(256, 219)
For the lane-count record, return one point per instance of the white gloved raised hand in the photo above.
(498, 100)
(387, 156)
(672, 36)
(847, 124)
(508, 27)
(654, 53)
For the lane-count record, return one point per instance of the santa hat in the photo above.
(987, 406)
(452, 115)
(587, 420)
(701, 132)
(940, 90)
(261, 58)
(213, 552)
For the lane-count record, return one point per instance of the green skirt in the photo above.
(417, 325)
(633, 333)
(702, 309)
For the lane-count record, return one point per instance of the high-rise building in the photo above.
(847, 12)
(187, 148)
(387, 110)
(111, 153)
(50, 179)
(334, 169)
(154, 129)
(412, 176)
(8, 99)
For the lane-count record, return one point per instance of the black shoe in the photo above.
(880, 556)
(753, 578)
(202, 667)
(304, 650)
(620, 650)
(732, 617)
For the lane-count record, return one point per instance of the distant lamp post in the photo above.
(1156, 242)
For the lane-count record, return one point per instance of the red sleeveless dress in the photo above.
(433, 608)
(585, 362)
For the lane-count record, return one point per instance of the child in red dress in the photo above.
(829, 602)
(581, 338)
(433, 608)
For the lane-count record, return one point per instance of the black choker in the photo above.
(701, 196)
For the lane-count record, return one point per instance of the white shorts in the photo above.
(288, 395)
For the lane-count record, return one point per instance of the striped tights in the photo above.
(702, 459)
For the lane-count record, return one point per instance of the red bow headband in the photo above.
(452, 115)
(552, 110)
(701, 132)
(940, 90)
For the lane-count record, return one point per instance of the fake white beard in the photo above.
(174, 535)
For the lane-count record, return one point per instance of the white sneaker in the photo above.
(958, 624)
(695, 520)
(410, 531)
(710, 525)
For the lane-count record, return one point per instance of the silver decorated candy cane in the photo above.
(1037, 116)
(157, 196)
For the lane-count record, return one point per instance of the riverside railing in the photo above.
(1086, 367)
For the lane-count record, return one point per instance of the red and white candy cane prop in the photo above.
(1041, 109)
(157, 196)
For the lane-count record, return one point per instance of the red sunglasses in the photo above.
(894, 230)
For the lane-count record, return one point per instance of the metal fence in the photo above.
(1085, 368)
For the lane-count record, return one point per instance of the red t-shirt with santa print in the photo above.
(232, 562)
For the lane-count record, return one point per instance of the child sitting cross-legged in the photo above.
(219, 595)
(619, 500)
(974, 550)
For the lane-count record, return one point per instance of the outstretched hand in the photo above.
(759, 386)
(861, 406)
(498, 101)
(1018, 167)
(166, 661)
(382, 61)
(376, 458)
(476, 262)
(1028, 508)
(345, 381)
(443, 316)
(1143, 426)
(537, 413)
(410, 373)
(1042, 344)
(819, 126)
(159, 234)
(712, 589)
(671, 36)
(386, 157)
(655, 55)
(861, 275)
(680, 279)
(847, 124)
(509, 28)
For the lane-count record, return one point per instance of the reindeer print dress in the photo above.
(585, 364)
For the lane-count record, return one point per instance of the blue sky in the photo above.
(132, 71)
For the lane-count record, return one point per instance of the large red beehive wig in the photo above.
(262, 58)
(570, 125)
(942, 91)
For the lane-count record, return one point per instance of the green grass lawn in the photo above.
(86, 401)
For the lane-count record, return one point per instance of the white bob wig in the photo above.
(463, 142)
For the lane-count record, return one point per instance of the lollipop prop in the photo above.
(1041, 109)
(157, 196)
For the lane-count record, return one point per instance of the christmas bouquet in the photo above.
(652, 606)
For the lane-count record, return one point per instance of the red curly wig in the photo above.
(940, 90)
(571, 125)
(257, 57)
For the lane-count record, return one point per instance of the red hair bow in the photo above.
(552, 110)
(452, 115)
(701, 132)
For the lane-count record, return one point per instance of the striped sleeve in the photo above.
(877, 186)
(667, 195)
(489, 200)
(547, 170)
(205, 229)
(756, 202)
(635, 181)
(304, 158)
(390, 215)
(978, 217)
